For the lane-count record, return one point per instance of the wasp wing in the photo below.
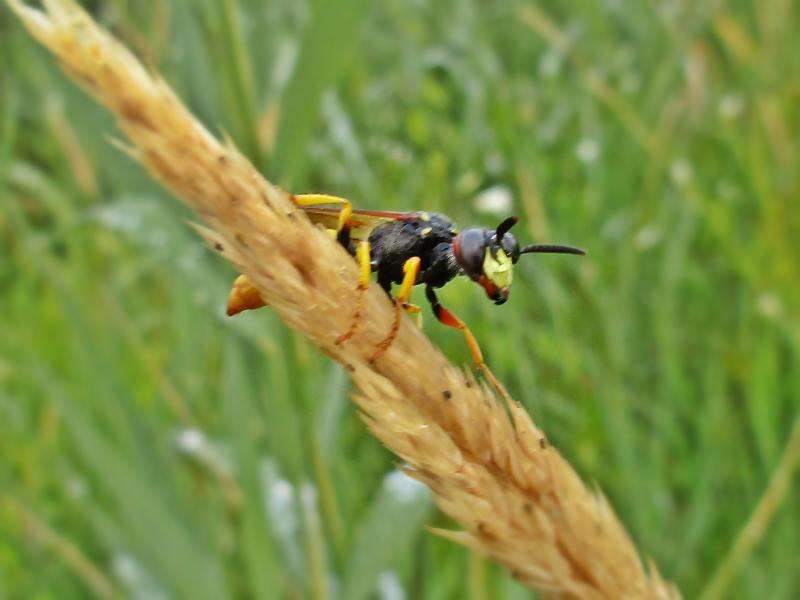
(361, 223)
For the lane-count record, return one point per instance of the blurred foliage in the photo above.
(151, 447)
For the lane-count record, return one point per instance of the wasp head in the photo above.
(488, 256)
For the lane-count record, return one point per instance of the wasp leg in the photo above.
(413, 309)
(447, 318)
(365, 268)
(410, 272)
(243, 296)
(316, 199)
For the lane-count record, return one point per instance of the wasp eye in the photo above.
(511, 247)
(469, 248)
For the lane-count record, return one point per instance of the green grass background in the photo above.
(150, 444)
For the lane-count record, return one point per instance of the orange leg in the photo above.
(410, 273)
(451, 320)
(243, 296)
(365, 268)
(447, 318)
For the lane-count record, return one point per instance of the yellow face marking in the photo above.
(425, 217)
(500, 270)
(426, 231)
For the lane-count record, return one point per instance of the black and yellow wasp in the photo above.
(412, 248)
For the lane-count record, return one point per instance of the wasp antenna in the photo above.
(552, 249)
(505, 226)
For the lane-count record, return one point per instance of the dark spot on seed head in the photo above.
(222, 159)
(542, 443)
(527, 507)
(135, 111)
(305, 271)
(447, 394)
(350, 368)
(469, 385)
(219, 247)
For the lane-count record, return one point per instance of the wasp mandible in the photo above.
(408, 249)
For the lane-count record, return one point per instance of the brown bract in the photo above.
(487, 464)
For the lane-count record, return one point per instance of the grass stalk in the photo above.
(753, 531)
(241, 77)
(39, 531)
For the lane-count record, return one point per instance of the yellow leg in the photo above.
(364, 266)
(316, 199)
(415, 311)
(410, 273)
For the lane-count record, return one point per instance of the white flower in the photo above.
(280, 506)
(770, 305)
(647, 237)
(194, 444)
(404, 488)
(389, 587)
(496, 200)
(587, 150)
(681, 172)
(191, 441)
(550, 65)
(139, 583)
(76, 488)
(731, 106)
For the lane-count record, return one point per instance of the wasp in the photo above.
(408, 249)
